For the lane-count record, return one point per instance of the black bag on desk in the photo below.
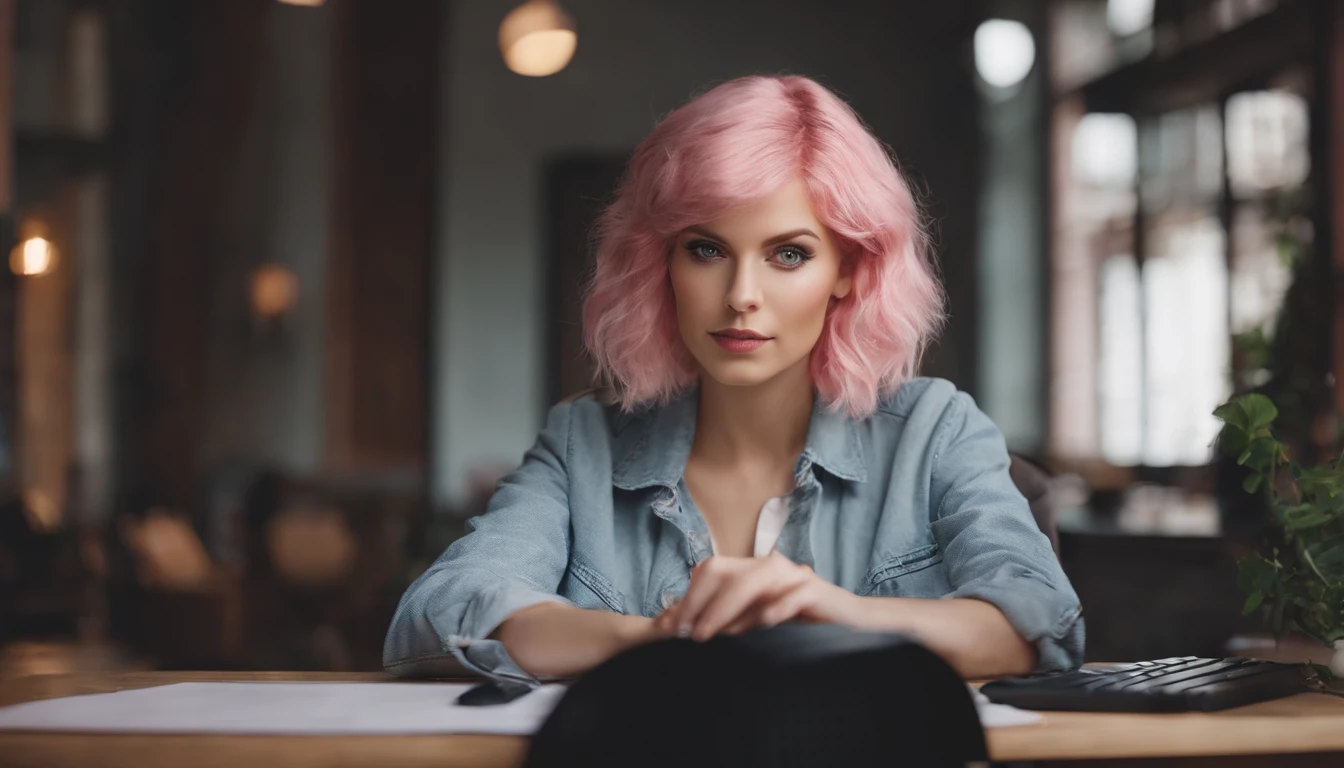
(795, 695)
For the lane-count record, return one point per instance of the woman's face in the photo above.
(752, 287)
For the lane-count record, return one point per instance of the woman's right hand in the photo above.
(557, 640)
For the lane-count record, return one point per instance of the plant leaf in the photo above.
(1261, 454)
(1252, 483)
(1323, 672)
(1256, 574)
(1233, 439)
(1232, 414)
(1329, 557)
(1320, 481)
(1260, 412)
(1253, 601)
(1300, 517)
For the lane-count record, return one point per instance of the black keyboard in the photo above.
(1166, 685)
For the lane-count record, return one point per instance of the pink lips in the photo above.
(739, 340)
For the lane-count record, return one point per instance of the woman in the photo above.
(761, 298)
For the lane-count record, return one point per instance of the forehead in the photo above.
(786, 208)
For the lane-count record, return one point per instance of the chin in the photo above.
(741, 373)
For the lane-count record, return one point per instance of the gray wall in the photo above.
(900, 64)
(1012, 274)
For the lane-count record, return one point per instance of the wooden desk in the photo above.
(1308, 727)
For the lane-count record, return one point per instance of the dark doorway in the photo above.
(576, 189)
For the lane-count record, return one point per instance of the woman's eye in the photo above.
(792, 257)
(702, 250)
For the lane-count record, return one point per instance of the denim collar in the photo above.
(655, 444)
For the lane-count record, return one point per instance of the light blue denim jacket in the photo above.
(914, 501)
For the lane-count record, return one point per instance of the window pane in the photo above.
(1094, 203)
(1082, 45)
(1266, 142)
(1260, 279)
(1187, 348)
(1233, 13)
(1105, 155)
(1120, 368)
(1181, 160)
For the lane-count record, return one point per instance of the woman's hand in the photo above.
(556, 641)
(732, 595)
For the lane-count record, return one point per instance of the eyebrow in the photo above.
(791, 234)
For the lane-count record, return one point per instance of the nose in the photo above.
(744, 292)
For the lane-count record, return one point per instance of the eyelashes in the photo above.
(788, 256)
(800, 255)
(703, 250)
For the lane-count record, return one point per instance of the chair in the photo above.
(1033, 482)
(326, 563)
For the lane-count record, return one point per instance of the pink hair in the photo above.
(730, 146)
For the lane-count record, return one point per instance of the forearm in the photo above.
(971, 635)
(554, 640)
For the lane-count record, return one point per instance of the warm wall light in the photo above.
(275, 291)
(308, 3)
(537, 38)
(32, 257)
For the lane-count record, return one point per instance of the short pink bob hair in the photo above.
(727, 147)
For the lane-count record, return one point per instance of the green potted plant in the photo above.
(1297, 577)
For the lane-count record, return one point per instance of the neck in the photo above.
(748, 425)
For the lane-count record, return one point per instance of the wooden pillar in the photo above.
(8, 372)
(385, 132)
(207, 63)
(6, 105)
(1328, 159)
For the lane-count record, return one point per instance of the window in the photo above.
(1165, 248)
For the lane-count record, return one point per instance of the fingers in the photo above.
(746, 621)
(706, 579)
(666, 622)
(737, 593)
(788, 605)
(733, 595)
(773, 610)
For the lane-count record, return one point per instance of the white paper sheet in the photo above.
(285, 708)
(320, 709)
(1001, 715)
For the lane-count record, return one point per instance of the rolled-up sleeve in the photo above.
(512, 557)
(992, 548)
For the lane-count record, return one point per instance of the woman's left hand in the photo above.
(732, 595)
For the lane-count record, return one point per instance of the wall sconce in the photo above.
(537, 38)
(305, 3)
(274, 292)
(35, 254)
(1004, 52)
